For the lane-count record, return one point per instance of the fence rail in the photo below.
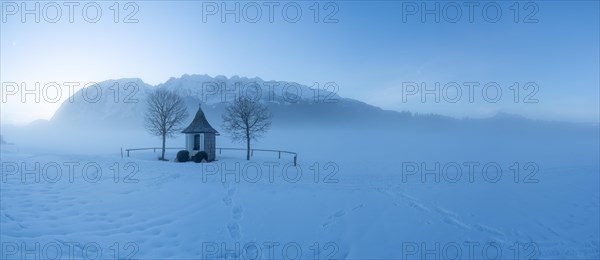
(279, 152)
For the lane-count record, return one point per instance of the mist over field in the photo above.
(110, 123)
(299, 130)
(363, 176)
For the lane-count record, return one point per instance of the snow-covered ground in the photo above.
(348, 198)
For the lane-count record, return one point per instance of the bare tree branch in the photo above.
(164, 115)
(246, 120)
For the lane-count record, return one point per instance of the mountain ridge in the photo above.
(122, 104)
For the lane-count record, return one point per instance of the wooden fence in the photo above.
(279, 152)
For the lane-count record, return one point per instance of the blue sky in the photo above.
(370, 52)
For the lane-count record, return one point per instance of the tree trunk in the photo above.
(247, 144)
(163, 147)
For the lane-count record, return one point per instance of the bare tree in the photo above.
(246, 120)
(165, 114)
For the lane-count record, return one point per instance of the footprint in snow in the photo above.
(456, 223)
(358, 207)
(228, 201)
(333, 218)
(339, 213)
(9, 217)
(484, 228)
(234, 230)
(237, 212)
(231, 191)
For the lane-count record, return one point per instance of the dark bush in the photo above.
(183, 156)
(202, 155)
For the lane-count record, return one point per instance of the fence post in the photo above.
(219, 150)
(127, 153)
(279, 154)
(154, 149)
(295, 160)
(121, 152)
